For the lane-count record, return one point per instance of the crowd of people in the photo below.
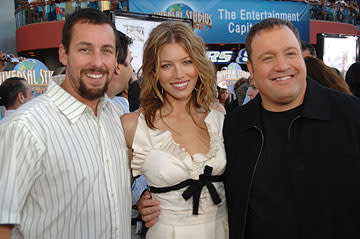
(281, 160)
(34, 11)
(341, 11)
(31, 11)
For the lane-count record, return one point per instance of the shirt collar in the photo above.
(8, 113)
(71, 107)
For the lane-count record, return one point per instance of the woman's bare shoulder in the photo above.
(129, 123)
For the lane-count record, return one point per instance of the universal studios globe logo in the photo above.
(181, 10)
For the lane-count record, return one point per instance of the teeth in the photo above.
(284, 78)
(95, 76)
(180, 85)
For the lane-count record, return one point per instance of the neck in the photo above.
(13, 107)
(67, 86)
(176, 106)
(111, 94)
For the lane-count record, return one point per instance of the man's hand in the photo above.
(149, 209)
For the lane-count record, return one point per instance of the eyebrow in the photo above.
(270, 52)
(89, 44)
(180, 59)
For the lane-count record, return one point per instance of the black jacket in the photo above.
(326, 148)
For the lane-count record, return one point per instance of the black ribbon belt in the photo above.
(195, 188)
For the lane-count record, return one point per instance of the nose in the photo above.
(97, 59)
(179, 71)
(281, 63)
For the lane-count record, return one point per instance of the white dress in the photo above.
(164, 163)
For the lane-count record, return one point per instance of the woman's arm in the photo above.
(129, 123)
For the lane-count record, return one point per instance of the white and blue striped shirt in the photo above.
(64, 172)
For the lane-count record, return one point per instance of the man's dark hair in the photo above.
(307, 46)
(10, 89)
(124, 42)
(353, 78)
(267, 24)
(85, 15)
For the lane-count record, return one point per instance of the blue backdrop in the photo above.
(219, 21)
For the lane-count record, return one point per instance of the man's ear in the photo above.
(250, 68)
(20, 98)
(62, 55)
(117, 69)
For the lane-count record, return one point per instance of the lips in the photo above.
(283, 78)
(93, 75)
(180, 85)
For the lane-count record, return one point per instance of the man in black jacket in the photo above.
(293, 153)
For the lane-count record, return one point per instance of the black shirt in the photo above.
(271, 210)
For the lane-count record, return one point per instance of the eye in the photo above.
(291, 53)
(188, 62)
(108, 51)
(84, 50)
(267, 58)
(164, 66)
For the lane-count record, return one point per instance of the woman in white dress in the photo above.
(176, 137)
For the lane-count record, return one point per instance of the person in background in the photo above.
(240, 89)
(307, 49)
(253, 90)
(224, 96)
(352, 78)
(326, 76)
(9, 58)
(216, 104)
(299, 175)
(3, 61)
(14, 92)
(176, 136)
(64, 163)
(134, 93)
(118, 86)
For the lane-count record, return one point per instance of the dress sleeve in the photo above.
(20, 160)
(218, 123)
(141, 146)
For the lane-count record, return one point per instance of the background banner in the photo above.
(33, 71)
(219, 21)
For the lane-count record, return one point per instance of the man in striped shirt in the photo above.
(64, 169)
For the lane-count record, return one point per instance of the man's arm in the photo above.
(5, 231)
(138, 187)
(19, 166)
